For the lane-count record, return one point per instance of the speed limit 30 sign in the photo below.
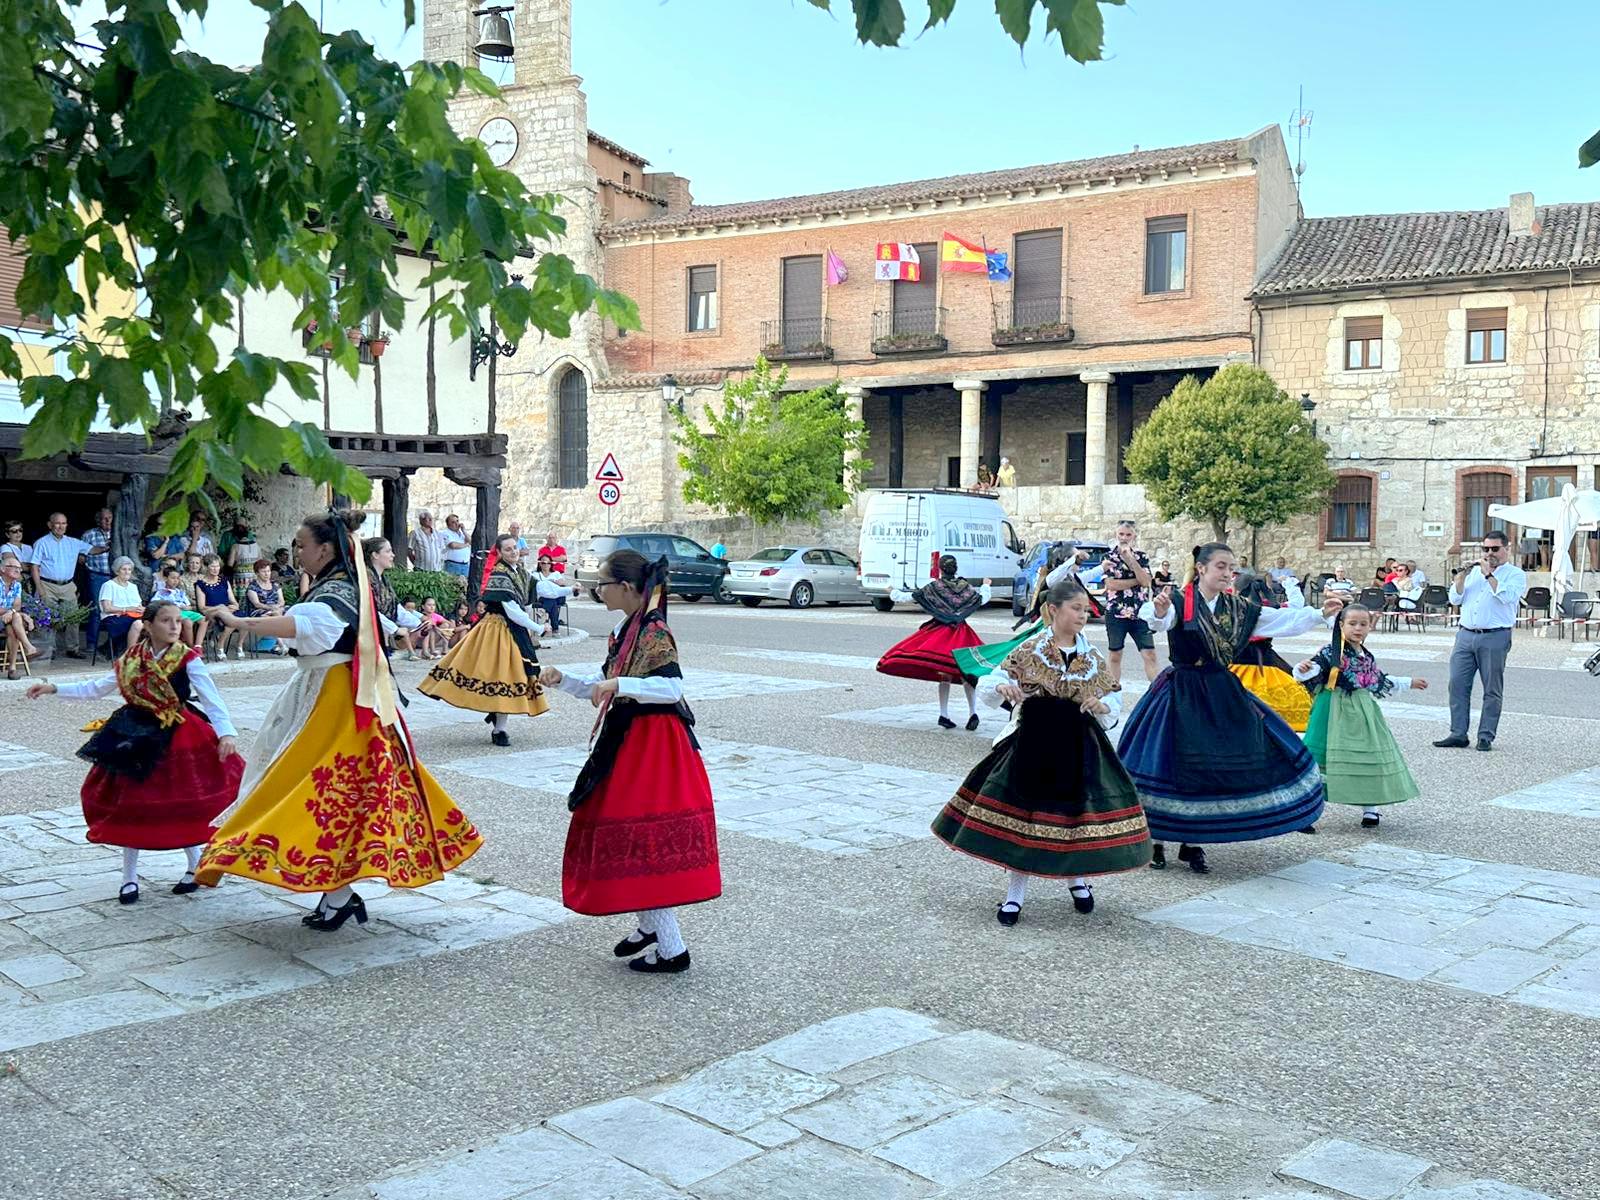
(610, 493)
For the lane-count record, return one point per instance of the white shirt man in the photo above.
(426, 545)
(1488, 592)
(457, 547)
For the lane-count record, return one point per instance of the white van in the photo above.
(906, 530)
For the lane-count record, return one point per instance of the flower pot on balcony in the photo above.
(376, 346)
(908, 343)
(1054, 331)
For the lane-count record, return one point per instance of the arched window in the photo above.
(574, 412)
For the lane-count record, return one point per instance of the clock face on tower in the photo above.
(499, 138)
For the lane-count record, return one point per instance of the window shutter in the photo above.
(1483, 319)
(1037, 268)
(12, 262)
(1167, 224)
(574, 411)
(918, 297)
(802, 289)
(702, 279)
(1486, 485)
(1353, 489)
(1361, 329)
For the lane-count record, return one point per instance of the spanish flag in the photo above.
(958, 254)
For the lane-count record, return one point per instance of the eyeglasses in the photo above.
(600, 583)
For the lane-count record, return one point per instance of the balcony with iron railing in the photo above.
(797, 339)
(1032, 322)
(909, 331)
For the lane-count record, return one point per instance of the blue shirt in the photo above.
(57, 558)
(99, 564)
(9, 595)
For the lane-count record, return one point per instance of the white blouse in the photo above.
(124, 597)
(201, 684)
(1274, 622)
(317, 628)
(655, 689)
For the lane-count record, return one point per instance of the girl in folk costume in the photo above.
(1361, 764)
(334, 792)
(927, 653)
(644, 835)
(1060, 563)
(1212, 762)
(1051, 798)
(165, 763)
(495, 669)
(1267, 677)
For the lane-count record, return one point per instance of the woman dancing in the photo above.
(335, 792)
(1051, 798)
(643, 837)
(927, 653)
(1213, 763)
(1259, 667)
(166, 762)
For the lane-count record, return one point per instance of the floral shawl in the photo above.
(1223, 632)
(1350, 669)
(948, 601)
(145, 680)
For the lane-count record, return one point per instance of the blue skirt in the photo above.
(1214, 764)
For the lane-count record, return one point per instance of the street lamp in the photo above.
(484, 346)
(1309, 406)
(671, 395)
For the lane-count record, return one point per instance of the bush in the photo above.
(45, 616)
(449, 590)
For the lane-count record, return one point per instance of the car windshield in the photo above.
(773, 554)
(602, 546)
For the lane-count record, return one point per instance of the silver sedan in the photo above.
(799, 576)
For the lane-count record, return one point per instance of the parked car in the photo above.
(692, 570)
(799, 576)
(1022, 585)
(905, 531)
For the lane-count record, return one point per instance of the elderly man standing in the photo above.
(55, 562)
(1488, 592)
(457, 547)
(98, 559)
(426, 546)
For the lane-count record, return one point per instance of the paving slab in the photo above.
(873, 1112)
(972, 1143)
(508, 1167)
(665, 1143)
(741, 1092)
(811, 1170)
(1366, 1172)
(840, 1042)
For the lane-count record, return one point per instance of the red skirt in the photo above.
(174, 807)
(927, 653)
(646, 837)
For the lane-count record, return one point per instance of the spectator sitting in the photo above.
(479, 611)
(1405, 587)
(170, 586)
(1417, 577)
(985, 480)
(194, 569)
(212, 592)
(1282, 572)
(555, 552)
(121, 606)
(1340, 584)
(16, 623)
(460, 623)
(1163, 576)
(197, 540)
(282, 568)
(434, 639)
(264, 598)
(550, 592)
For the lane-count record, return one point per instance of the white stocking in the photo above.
(130, 866)
(336, 899)
(192, 853)
(647, 920)
(500, 722)
(972, 698)
(1016, 887)
(669, 942)
(944, 700)
(1078, 881)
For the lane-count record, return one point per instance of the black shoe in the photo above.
(185, 885)
(129, 894)
(633, 943)
(1309, 829)
(661, 966)
(1158, 856)
(1452, 743)
(1369, 820)
(326, 921)
(1196, 858)
(946, 723)
(1485, 744)
(1083, 902)
(79, 654)
(972, 722)
(1008, 913)
(500, 738)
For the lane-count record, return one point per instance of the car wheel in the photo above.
(690, 597)
(802, 596)
(724, 594)
(750, 601)
(883, 604)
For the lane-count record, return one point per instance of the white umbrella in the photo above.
(1567, 514)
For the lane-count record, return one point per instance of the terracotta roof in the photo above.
(1332, 253)
(636, 380)
(1020, 179)
(606, 143)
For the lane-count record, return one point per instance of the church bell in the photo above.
(494, 36)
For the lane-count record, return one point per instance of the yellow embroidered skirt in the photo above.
(1279, 692)
(486, 673)
(336, 803)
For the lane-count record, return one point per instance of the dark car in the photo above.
(1022, 586)
(692, 570)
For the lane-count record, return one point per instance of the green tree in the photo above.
(771, 454)
(130, 159)
(1078, 23)
(1234, 448)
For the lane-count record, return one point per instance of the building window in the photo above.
(802, 301)
(574, 410)
(952, 471)
(317, 341)
(702, 299)
(1350, 517)
(1480, 489)
(1166, 246)
(1363, 343)
(627, 179)
(915, 307)
(1486, 335)
(13, 261)
(1077, 459)
(1036, 285)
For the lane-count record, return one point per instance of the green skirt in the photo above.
(1361, 763)
(978, 661)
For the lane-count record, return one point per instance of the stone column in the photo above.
(855, 398)
(971, 425)
(1094, 441)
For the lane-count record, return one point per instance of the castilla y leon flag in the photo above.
(958, 254)
(898, 260)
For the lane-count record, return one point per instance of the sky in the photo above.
(1416, 104)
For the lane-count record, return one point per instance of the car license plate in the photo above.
(874, 579)
(743, 574)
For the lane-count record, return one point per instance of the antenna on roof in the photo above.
(1300, 128)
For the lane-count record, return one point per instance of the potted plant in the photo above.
(322, 348)
(378, 344)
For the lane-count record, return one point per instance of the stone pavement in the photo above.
(1575, 795)
(1524, 934)
(893, 1105)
